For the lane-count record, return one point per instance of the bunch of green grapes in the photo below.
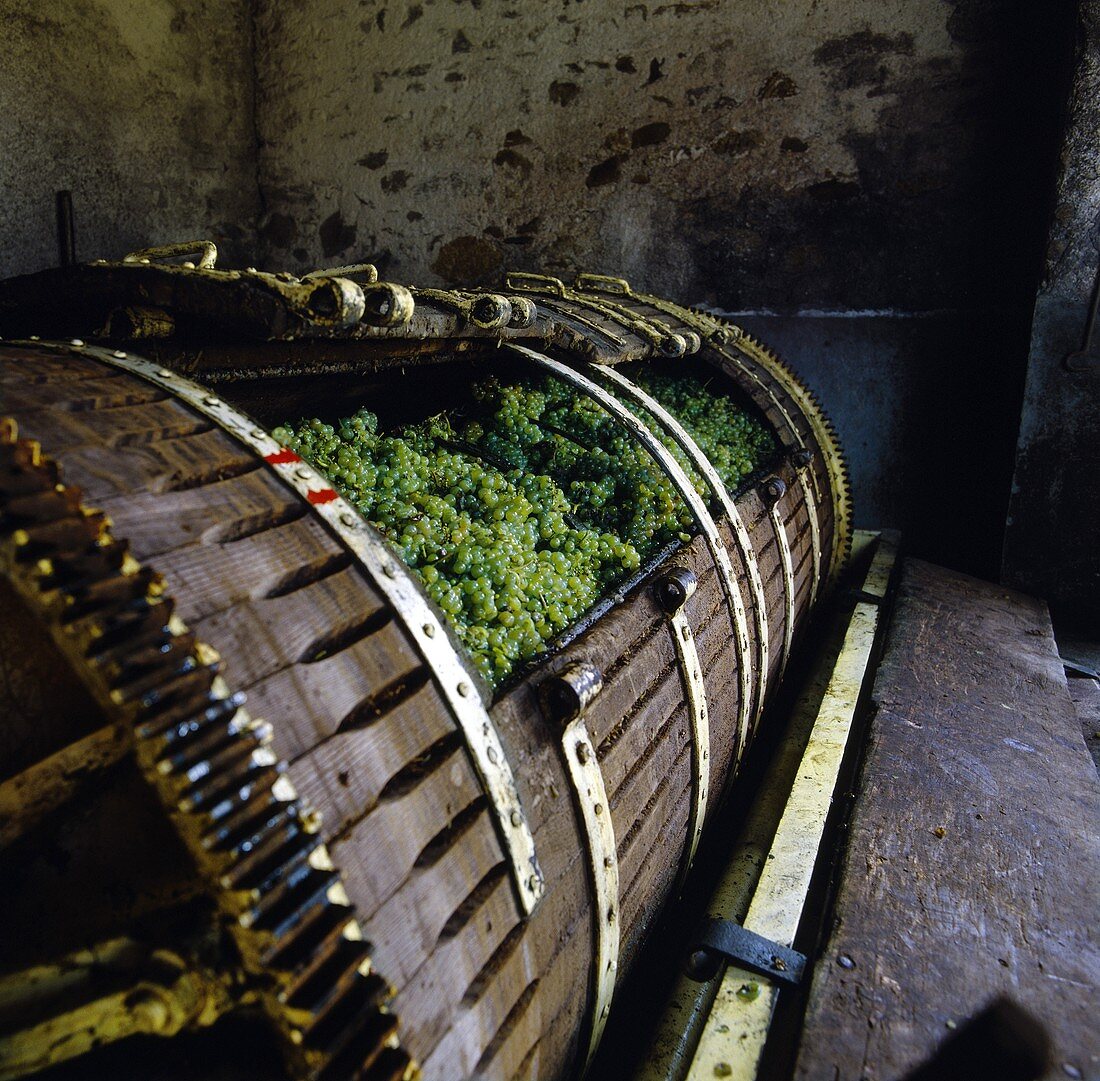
(610, 481)
(495, 548)
(733, 440)
(522, 519)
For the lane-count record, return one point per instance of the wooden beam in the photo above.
(973, 862)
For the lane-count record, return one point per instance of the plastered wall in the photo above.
(143, 108)
(1051, 543)
(745, 153)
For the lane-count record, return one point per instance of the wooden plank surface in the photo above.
(973, 859)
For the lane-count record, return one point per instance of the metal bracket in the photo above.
(206, 250)
(569, 315)
(750, 951)
(522, 281)
(672, 591)
(602, 283)
(787, 567)
(661, 338)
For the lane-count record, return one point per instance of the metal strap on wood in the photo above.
(812, 491)
(834, 461)
(591, 796)
(702, 463)
(393, 580)
(566, 695)
(688, 657)
(686, 490)
(787, 568)
(672, 591)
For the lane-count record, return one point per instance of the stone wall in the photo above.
(1052, 543)
(784, 153)
(143, 109)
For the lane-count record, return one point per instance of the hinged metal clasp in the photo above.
(566, 697)
(602, 283)
(206, 250)
(525, 282)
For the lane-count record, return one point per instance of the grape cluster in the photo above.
(520, 518)
(734, 440)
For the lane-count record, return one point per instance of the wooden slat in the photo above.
(98, 392)
(427, 1003)
(344, 776)
(973, 862)
(651, 863)
(42, 368)
(458, 1052)
(307, 702)
(209, 578)
(266, 635)
(634, 735)
(408, 926)
(157, 522)
(378, 852)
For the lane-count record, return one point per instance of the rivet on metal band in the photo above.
(687, 492)
(671, 592)
(702, 463)
(590, 795)
(391, 578)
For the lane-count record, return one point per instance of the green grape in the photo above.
(522, 519)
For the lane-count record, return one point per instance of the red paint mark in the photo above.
(282, 457)
(325, 495)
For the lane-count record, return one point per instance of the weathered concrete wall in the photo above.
(864, 153)
(1052, 542)
(926, 407)
(784, 155)
(143, 108)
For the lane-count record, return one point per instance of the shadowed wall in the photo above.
(143, 108)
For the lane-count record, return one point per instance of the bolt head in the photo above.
(701, 965)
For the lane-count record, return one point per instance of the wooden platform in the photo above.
(973, 857)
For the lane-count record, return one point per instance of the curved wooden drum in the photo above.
(248, 784)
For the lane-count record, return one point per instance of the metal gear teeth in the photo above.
(255, 844)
